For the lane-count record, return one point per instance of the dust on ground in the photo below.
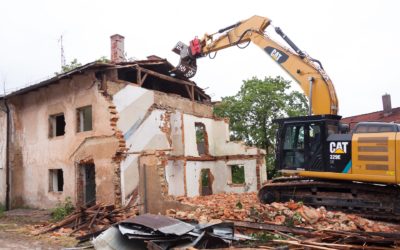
(16, 227)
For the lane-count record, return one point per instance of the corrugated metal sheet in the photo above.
(163, 224)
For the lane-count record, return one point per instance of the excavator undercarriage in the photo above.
(368, 200)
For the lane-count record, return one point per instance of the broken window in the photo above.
(201, 138)
(56, 180)
(56, 125)
(84, 118)
(237, 173)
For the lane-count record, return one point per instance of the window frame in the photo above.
(79, 119)
(231, 169)
(54, 176)
(53, 125)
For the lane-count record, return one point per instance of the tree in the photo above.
(252, 111)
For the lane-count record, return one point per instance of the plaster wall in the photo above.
(175, 177)
(153, 121)
(3, 134)
(141, 126)
(35, 153)
(218, 138)
(222, 176)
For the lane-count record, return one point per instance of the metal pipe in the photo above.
(290, 42)
(229, 27)
(311, 80)
(145, 189)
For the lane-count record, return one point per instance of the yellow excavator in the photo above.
(322, 162)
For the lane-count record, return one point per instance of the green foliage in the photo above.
(68, 67)
(200, 132)
(63, 209)
(205, 178)
(239, 205)
(252, 110)
(293, 220)
(103, 59)
(237, 174)
(266, 237)
(72, 65)
(2, 209)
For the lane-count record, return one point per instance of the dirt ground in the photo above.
(16, 228)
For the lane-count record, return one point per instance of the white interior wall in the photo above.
(141, 129)
(176, 134)
(175, 174)
(218, 138)
(222, 176)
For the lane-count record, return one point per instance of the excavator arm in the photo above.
(306, 71)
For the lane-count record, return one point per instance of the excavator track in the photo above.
(380, 202)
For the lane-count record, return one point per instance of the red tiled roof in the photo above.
(378, 116)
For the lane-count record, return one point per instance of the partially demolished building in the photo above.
(111, 132)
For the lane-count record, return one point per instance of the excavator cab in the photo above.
(302, 142)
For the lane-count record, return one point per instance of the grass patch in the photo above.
(2, 209)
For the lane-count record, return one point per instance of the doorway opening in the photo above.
(87, 184)
(206, 180)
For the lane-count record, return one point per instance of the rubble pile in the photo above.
(86, 222)
(246, 207)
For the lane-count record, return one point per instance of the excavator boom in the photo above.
(306, 71)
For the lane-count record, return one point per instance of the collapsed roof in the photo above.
(154, 73)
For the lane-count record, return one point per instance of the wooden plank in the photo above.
(94, 217)
(62, 223)
(165, 77)
(144, 78)
(189, 92)
(273, 227)
(139, 76)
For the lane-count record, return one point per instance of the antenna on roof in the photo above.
(62, 52)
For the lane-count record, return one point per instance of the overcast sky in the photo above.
(356, 41)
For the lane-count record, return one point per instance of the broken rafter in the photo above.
(189, 92)
(143, 78)
(203, 95)
(164, 77)
(139, 78)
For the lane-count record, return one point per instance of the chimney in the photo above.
(387, 105)
(117, 48)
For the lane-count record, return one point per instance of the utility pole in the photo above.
(62, 52)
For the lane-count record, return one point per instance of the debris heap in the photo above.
(86, 222)
(246, 207)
